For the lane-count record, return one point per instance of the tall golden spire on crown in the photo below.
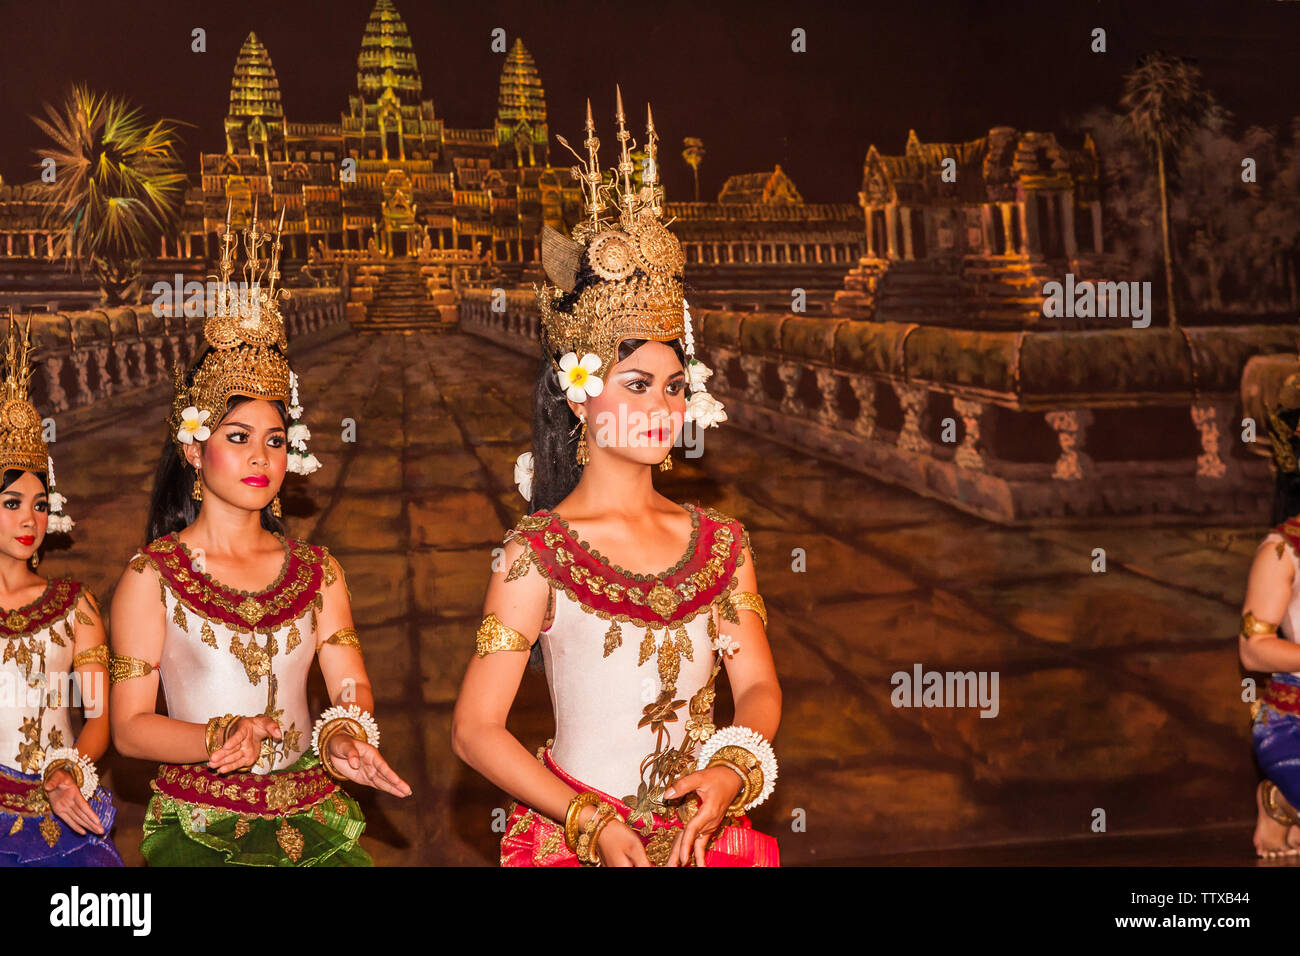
(18, 371)
(636, 262)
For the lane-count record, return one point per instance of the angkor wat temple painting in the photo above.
(1004, 352)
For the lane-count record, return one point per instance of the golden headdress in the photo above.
(636, 262)
(22, 439)
(22, 445)
(630, 273)
(1282, 435)
(247, 346)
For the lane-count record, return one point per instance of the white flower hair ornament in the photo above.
(192, 426)
(301, 461)
(578, 377)
(58, 521)
(524, 475)
(701, 407)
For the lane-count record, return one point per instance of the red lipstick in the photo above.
(257, 481)
(26, 539)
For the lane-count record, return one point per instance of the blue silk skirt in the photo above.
(31, 835)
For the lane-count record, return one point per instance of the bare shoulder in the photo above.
(139, 582)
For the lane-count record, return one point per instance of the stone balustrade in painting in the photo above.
(81, 358)
(1012, 425)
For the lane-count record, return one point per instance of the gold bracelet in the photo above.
(337, 725)
(593, 850)
(1251, 625)
(217, 727)
(584, 842)
(586, 799)
(494, 636)
(67, 765)
(742, 796)
(750, 601)
(209, 731)
(749, 763)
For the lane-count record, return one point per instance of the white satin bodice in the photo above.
(213, 664)
(36, 710)
(598, 701)
(1289, 626)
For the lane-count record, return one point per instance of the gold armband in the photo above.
(346, 636)
(494, 636)
(92, 655)
(1251, 625)
(750, 601)
(121, 667)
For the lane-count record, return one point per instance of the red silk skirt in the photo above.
(535, 840)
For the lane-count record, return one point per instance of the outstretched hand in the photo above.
(69, 805)
(361, 762)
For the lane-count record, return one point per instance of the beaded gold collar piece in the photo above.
(635, 287)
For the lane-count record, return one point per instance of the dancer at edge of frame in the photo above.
(637, 773)
(246, 777)
(53, 812)
(1272, 603)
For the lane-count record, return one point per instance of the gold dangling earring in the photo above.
(35, 560)
(582, 443)
(197, 491)
(667, 463)
(275, 507)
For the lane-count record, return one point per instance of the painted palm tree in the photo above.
(1164, 102)
(694, 155)
(118, 185)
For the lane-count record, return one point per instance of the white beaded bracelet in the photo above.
(85, 768)
(752, 741)
(351, 712)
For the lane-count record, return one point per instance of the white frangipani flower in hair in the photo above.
(524, 475)
(192, 428)
(578, 378)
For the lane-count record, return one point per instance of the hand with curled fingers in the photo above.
(714, 788)
(243, 743)
(620, 846)
(360, 761)
(69, 805)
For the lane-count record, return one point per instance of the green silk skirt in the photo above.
(180, 832)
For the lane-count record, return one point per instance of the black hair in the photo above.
(1286, 489)
(171, 505)
(13, 474)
